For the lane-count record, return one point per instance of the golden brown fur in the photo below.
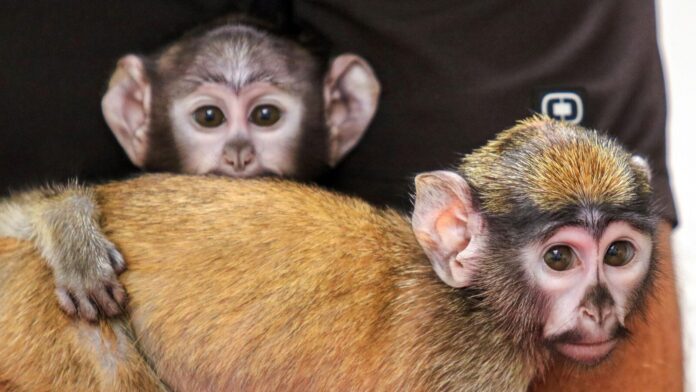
(346, 301)
(555, 165)
(42, 349)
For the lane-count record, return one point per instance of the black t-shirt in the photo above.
(453, 73)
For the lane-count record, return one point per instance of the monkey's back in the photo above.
(251, 285)
(288, 274)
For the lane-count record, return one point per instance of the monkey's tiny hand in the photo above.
(87, 284)
(63, 222)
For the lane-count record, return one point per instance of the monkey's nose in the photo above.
(240, 158)
(596, 315)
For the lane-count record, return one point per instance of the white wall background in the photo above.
(677, 31)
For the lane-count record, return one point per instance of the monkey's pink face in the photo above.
(245, 134)
(589, 283)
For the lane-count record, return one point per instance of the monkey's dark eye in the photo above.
(559, 258)
(265, 115)
(209, 116)
(619, 253)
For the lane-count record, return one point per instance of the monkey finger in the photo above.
(119, 295)
(66, 302)
(85, 307)
(116, 259)
(107, 305)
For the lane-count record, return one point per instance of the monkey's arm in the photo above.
(653, 361)
(63, 224)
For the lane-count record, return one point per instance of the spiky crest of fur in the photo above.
(553, 165)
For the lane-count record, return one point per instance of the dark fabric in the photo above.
(55, 61)
(453, 73)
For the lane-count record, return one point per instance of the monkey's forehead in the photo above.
(552, 165)
(530, 225)
(237, 56)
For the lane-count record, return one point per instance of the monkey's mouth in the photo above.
(586, 353)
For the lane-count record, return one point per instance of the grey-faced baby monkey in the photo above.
(237, 99)
(538, 248)
(232, 98)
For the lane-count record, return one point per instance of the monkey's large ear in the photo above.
(351, 93)
(447, 227)
(126, 107)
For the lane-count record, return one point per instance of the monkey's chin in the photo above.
(589, 354)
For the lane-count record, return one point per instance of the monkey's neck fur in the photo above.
(458, 343)
(299, 289)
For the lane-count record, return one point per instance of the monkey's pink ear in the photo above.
(351, 93)
(447, 227)
(126, 107)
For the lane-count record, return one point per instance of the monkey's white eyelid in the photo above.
(280, 108)
(552, 245)
(280, 102)
(274, 103)
(198, 101)
(636, 246)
